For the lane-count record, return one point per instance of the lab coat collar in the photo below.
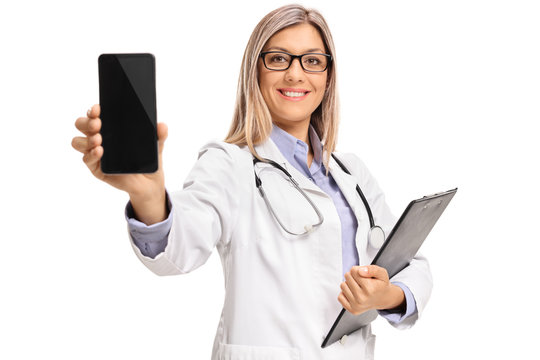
(347, 184)
(268, 149)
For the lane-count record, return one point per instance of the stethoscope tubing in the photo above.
(364, 200)
(258, 183)
(376, 234)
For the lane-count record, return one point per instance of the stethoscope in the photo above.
(376, 236)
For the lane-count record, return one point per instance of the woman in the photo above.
(290, 258)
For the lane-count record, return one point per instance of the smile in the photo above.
(293, 94)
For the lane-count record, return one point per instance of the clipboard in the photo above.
(396, 253)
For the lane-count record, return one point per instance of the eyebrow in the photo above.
(287, 51)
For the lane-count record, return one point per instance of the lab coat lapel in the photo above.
(347, 184)
(269, 150)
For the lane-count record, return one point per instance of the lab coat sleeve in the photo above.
(417, 275)
(203, 213)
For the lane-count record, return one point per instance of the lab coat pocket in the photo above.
(246, 352)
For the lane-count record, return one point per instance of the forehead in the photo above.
(296, 39)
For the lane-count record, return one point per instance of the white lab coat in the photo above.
(281, 290)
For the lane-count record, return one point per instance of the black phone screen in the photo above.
(127, 96)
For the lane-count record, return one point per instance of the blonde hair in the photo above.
(252, 122)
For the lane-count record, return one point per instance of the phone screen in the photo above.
(127, 96)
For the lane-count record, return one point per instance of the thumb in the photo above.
(372, 271)
(162, 133)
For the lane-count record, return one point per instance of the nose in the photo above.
(295, 72)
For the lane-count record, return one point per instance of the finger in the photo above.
(94, 111)
(84, 144)
(365, 284)
(362, 271)
(88, 126)
(80, 144)
(344, 302)
(372, 271)
(347, 292)
(353, 285)
(92, 160)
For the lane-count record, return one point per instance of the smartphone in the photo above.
(127, 96)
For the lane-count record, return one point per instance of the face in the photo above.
(293, 94)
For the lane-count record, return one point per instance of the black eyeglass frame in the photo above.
(299, 57)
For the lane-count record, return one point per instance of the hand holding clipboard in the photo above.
(396, 253)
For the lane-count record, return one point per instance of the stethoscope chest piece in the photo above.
(376, 237)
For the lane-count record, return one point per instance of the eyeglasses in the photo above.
(310, 62)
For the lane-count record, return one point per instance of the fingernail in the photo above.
(364, 269)
(88, 112)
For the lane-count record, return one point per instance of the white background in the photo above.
(434, 94)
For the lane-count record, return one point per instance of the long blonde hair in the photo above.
(252, 122)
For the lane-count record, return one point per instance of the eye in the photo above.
(312, 60)
(277, 58)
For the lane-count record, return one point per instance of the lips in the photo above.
(293, 94)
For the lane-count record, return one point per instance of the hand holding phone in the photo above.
(146, 191)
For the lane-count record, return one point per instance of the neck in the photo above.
(299, 131)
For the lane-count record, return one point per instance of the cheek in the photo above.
(262, 80)
(319, 83)
(324, 83)
(266, 84)
(321, 86)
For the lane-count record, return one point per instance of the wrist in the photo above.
(395, 298)
(150, 209)
(148, 196)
